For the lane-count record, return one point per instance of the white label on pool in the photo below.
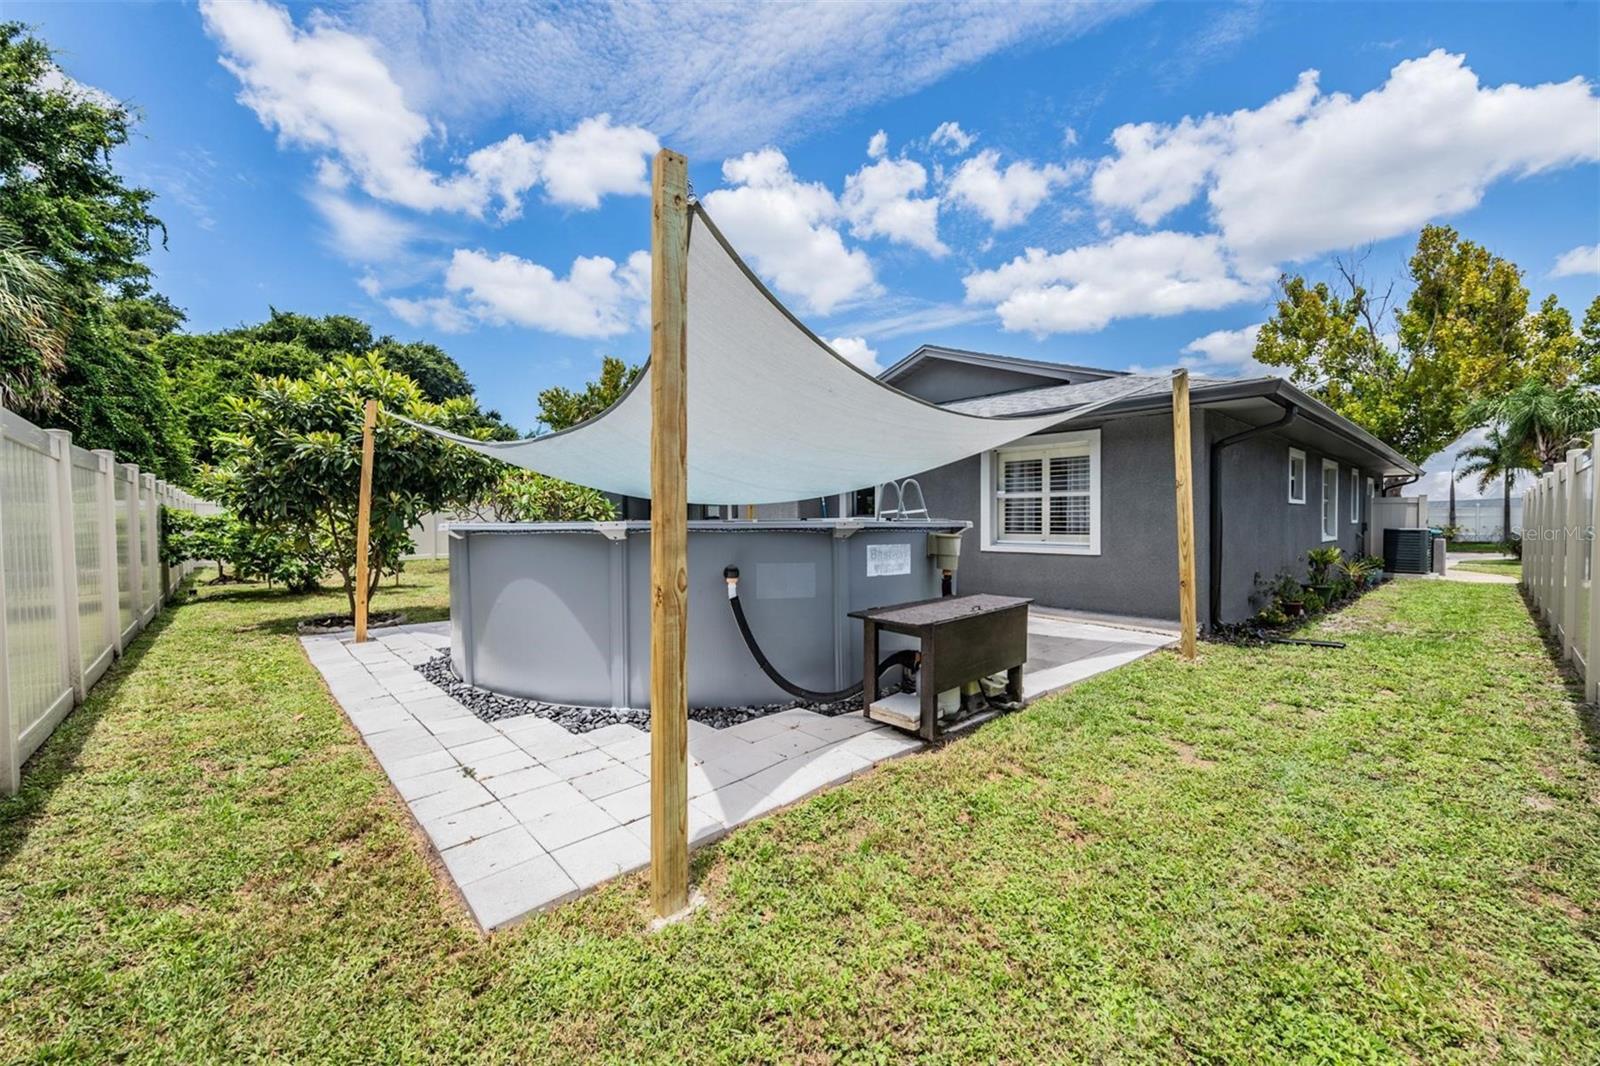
(887, 560)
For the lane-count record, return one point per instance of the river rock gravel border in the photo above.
(495, 707)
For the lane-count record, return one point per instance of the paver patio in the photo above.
(525, 815)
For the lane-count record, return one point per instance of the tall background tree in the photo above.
(561, 408)
(33, 325)
(61, 194)
(205, 369)
(1420, 373)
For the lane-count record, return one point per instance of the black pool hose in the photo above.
(906, 658)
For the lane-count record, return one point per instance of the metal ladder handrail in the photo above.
(900, 510)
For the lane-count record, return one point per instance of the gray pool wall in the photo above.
(560, 612)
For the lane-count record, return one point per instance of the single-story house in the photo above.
(1083, 517)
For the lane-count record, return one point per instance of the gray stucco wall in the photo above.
(1136, 572)
(1263, 533)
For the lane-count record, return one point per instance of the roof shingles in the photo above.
(1066, 397)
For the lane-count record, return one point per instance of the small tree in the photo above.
(1498, 457)
(293, 462)
(526, 496)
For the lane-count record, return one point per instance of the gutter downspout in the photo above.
(1214, 500)
(1400, 483)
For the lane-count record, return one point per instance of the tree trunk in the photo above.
(1505, 509)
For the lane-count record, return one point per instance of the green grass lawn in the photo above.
(1508, 567)
(1487, 547)
(1385, 852)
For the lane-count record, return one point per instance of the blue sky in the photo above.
(1109, 185)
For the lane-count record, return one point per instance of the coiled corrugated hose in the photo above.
(905, 658)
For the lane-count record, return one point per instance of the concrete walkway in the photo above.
(1473, 576)
(525, 815)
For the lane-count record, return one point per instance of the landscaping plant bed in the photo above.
(494, 706)
(338, 623)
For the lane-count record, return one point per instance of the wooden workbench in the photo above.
(963, 638)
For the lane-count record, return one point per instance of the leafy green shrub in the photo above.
(1321, 563)
(1314, 601)
(1271, 616)
(524, 496)
(253, 552)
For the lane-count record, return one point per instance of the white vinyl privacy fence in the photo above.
(1477, 520)
(80, 575)
(1558, 558)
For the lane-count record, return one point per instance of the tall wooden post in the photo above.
(1183, 480)
(669, 534)
(364, 519)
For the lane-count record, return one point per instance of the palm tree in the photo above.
(1498, 457)
(1543, 417)
(33, 334)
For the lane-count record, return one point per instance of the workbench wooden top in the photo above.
(941, 610)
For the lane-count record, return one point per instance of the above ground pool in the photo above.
(560, 611)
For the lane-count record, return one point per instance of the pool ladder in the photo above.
(900, 510)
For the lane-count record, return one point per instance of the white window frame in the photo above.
(1330, 500)
(1355, 496)
(1305, 469)
(989, 513)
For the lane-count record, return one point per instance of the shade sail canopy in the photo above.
(774, 413)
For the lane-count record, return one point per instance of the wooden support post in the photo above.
(364, 518)
(1184, 481)
(669, 534)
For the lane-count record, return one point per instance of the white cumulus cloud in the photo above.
(859, 352)
(1228, 353)
(598, 298)
(788, 230)
(880, 201)
(1006, 197)
(1312, 171)
(596, 159)
(1082, 289)
(327, 89)
(1584, 259)
(361, 232)
(951, 137)
(439, 311)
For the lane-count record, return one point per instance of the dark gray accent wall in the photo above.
(1136, 572)
(1263, 533)
(941, 380)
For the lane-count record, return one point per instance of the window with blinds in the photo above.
(1046, 494)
